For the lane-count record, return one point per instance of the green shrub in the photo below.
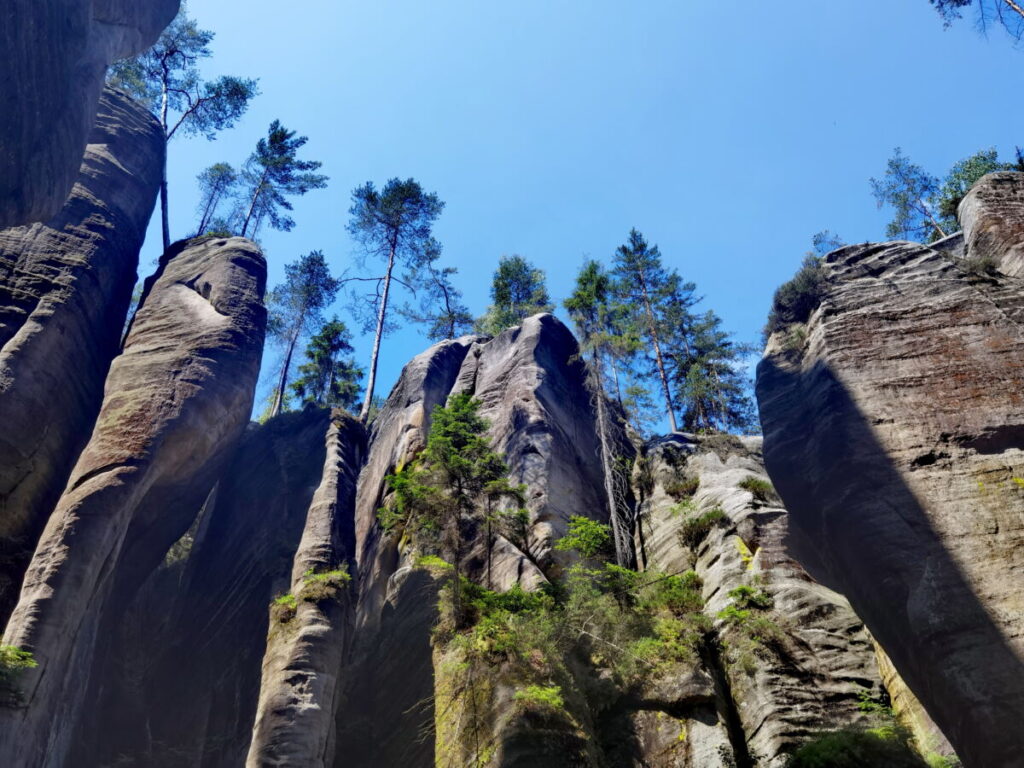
(695, 529)
(795, 300)
(318, 587)
(748, 597)
(857, 749)
(543, 698)
(587, 537)
(282, 609)
(433, 561)
(13, 661)
(678, 593)
(762, 490)
(980, 266)
(682, 489)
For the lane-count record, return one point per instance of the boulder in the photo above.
(65, 287)
(176, 401)
(56, 53)
(894, 432)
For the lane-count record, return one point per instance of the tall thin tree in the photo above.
(271, 175)
(641, 282)
(166, 78)
(296, 309)
(393, 224)
(590, 309)
(216, 184)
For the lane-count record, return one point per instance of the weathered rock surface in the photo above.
(55, 57)
(810, 676)
(179, 685)
(895, 435)
(65, 287)
(388, 683)
(308, 641)
(177, 400)
(531, 386)
(992, 215)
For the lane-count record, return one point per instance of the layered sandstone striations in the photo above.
(311, 625)
(176, 402)
(799, 665)
(894, 431)
(65, 287)
(531, 384)
(55, 57)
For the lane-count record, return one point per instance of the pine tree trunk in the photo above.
(252, 203)
(606, 464)
(283, 381)
(364, 414)
(164, 212)
(658, 356)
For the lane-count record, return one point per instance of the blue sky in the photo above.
(727, 133)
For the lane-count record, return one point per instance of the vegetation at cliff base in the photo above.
(856, 749)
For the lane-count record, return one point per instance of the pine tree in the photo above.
(440, 494)
(641, 283)
(331, 376)
(1007, 13)
(216, 185)
(395, 225)
(296, 309)
(271, 175)
(712, 394)
(167, 79)
(440, 306)
(517, 292)
(911, 193)
(590, 308)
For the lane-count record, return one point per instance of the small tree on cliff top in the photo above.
(166, 78)
(517, 292)
(444, 489)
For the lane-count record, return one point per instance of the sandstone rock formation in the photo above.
(992, 215)
(178, 682)
(177, 400)
(531, 385)
(818, 659)
(55, 58)
(65, 287)
(310, 635)
(894, 431)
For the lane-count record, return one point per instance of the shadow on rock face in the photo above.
(859, 528)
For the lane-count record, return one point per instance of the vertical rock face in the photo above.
(992, 215)
(388, 682)
(177, 683)
(310, 634)
(55, 57)
(177, 399)
(65, 287)
(532, 388)
(895, 434)
(806, 670)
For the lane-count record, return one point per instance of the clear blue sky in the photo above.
(727, 133)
